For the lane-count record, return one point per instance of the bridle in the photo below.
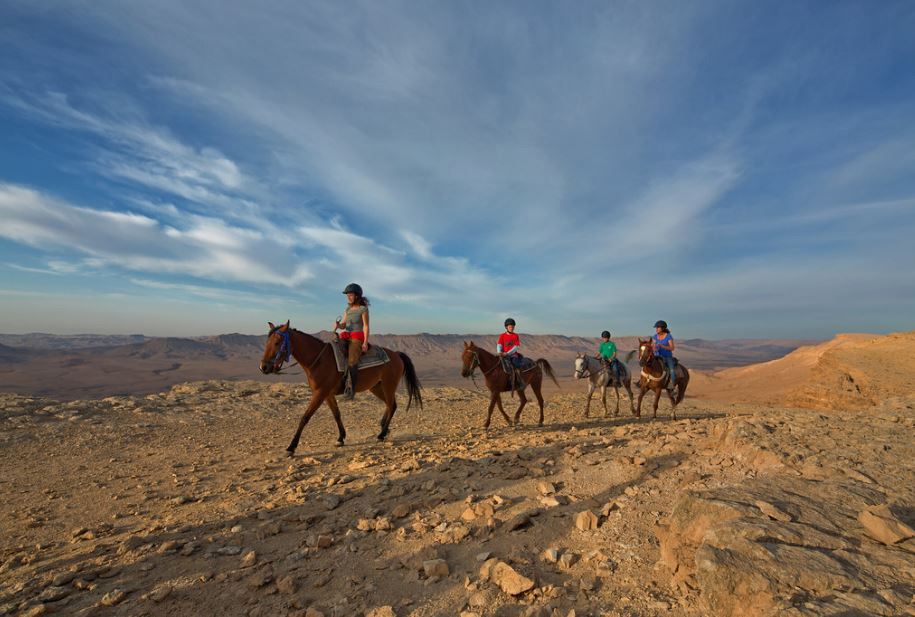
(473, 366)
(285, 351)
(586, 366)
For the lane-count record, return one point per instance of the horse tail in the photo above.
(629, 355)
(548, 370)
(412, 381)
(682, 383)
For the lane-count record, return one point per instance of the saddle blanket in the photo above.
(375, 356)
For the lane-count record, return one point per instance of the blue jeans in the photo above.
(672, 367)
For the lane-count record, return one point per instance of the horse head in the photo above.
(277, 350)
(581, 365)
(469, 359)
(646, 351)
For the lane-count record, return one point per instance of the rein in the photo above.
(474, 365)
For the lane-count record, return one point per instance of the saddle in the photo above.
(375, 356)
(516, 379)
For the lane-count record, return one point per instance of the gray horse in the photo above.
(600, 376)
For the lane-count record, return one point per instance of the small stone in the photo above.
(400, 510)
(160, 593)
(468, 514)
(382, 611)
(586, 521)
(773, 511)
(383, 524)
(248, 559)
(63, 578)
(286, 585)
(52, 594)
(567, 560)
(313, 612)
(115, 596)
(324, 541)
(331, 501)
(550, 555)
(481, 557)
(549, 502)
(509, 580)
(546, 488)
(436, 567)
(364, 524)
(34, 611)
(180, 500)
(881, 524)
(609, 507)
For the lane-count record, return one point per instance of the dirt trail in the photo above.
(182, 503)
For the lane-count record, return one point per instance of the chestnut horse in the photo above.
(317, 359)
(654, 377)
(498, 381)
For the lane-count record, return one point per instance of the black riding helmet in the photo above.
(353, 288)
(660, 324)
(509, 322)
(605, 334)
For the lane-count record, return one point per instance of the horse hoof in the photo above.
(290, 453)
(540, 424)
(340, 443)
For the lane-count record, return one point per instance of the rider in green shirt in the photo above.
(607, 353)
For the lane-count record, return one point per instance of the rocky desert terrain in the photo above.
(785, 488)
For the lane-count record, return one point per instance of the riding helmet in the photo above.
(605, 334)
(660, 324)
(353, 288)
(509, 322)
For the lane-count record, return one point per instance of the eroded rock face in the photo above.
(745, 561)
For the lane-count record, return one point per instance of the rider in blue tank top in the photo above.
(664, 349)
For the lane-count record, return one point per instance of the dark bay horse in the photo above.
(498, 381)
(317, 359)
(654, 377)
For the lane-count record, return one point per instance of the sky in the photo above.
(739, 169)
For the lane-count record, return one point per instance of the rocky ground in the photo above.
(182, 503)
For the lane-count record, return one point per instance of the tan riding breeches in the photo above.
(355, 352)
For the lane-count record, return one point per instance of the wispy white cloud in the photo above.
(206, 248)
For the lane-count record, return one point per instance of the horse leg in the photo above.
(335, 409)
(657, 399)
(522, 401)
(616, 412)
(492, 404)
(631, 398)
(316, 399)
(390, 400)
(603, 399)
(588, 404)
(638, 410)
(502, 409)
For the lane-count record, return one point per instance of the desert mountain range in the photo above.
(81, 366)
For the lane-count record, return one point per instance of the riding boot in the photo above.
(350, 392)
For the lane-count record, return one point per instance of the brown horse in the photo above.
(317, 359)
(498, 381)
(655, 377)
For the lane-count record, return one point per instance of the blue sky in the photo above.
(739, 169)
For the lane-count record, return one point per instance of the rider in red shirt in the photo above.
(509, 345)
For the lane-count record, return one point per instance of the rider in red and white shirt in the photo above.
(509, 344)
